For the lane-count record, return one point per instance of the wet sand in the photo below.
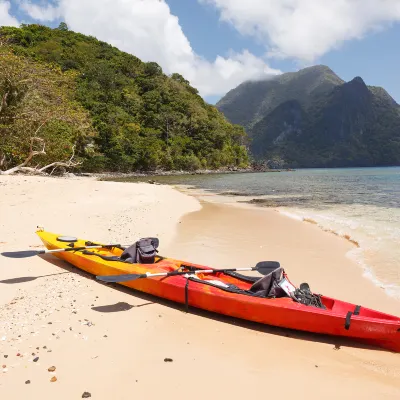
(113, 342)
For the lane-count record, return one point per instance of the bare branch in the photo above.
(73, 154)
(31, 170)
(40, 127)
(54, 168)
(32, 153)
(68, 164)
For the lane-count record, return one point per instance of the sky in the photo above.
(218, 44)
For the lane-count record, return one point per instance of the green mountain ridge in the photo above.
(312, 118)
(135, 117)
(264, 96)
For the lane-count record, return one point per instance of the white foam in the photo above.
(355, 225)
(391, 289)
(290, 215)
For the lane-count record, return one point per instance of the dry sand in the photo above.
(112, 342)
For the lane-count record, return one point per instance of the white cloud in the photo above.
(47, 13)
(5, 18)
(147, 29)
(306, 29)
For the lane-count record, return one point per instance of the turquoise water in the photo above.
(361, 203)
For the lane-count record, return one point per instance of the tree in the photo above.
(63, 27)
(38, 117)
(152, 69)
(179, 78)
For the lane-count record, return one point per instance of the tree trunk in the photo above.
(3, 104)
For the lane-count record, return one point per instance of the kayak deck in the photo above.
(338, 319)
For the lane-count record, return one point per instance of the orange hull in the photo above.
(369, 326)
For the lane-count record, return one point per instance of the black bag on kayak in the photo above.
(142, 252)
(267, 286)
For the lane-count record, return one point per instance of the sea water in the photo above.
(359, 204)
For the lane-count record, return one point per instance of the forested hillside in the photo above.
(64, 94)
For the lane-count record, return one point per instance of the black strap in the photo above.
(88, 243)
(245, 278)
(187, 295)
(107, 258)
(348, 318)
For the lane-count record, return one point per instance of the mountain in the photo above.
(134, 117)
(312, 118)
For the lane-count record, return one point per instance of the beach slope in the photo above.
(116, 343)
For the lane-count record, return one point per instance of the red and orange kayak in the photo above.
(338, 318)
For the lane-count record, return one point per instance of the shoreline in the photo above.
(127, 175)
(356, 252)
(288, 233)
(46, 303)
(356, 255)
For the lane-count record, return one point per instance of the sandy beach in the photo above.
(112, 343)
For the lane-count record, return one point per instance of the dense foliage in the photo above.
(37, 109)
(313, 119)
(143, 119)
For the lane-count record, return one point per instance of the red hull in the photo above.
(370, 326)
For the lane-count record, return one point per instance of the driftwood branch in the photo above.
(68, 164)
(30, 170)
(32, 153)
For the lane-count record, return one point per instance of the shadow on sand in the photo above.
(336, 342)
(24, 279)
(121, 306)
